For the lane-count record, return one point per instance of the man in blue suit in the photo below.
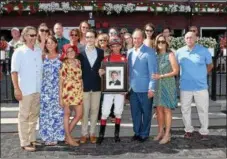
(142, 64)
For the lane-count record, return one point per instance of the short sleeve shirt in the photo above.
(193, 67)
(28, 64)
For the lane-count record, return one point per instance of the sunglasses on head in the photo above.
(113, 33)
(44, 30)
(161, 42)
(32, 35)
(74, 35)
(147, 30)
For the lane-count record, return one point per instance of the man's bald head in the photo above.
(190, 39)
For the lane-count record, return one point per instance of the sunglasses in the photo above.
(161, 42)
(32, 35)
(44, 30)
(102, 40)
(123, 32)
(74, 35)
(149, 30)
(193, 30)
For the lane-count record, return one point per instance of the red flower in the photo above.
(71, 98)
(66, 96)
(63, 73)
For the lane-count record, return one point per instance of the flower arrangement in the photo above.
(118, 8)
(3, 45)
(207, 42)
(179, 42)
(109, 8)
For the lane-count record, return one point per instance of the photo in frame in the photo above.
(115, 80)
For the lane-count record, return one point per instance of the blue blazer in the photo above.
(90, 75)
(140, 72)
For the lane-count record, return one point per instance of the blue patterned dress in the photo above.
(51, 125)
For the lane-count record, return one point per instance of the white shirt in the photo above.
(91, 55)
(28, 64)
(135, 53)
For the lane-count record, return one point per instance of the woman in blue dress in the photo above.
(51, 124)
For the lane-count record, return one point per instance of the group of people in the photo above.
(53, 76)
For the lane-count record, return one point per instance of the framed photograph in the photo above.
(115, 80)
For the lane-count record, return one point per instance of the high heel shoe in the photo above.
(165, 140)
(158, 137)
(71, 142)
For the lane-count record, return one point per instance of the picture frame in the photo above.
(115, 79)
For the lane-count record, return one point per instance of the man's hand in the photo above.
(150, 94)
(18, 94)
(101, 72)
(156, 76)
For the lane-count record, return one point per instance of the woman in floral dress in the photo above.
(51, 127)
(71, 92)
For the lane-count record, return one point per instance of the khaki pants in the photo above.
(27, 118)
(91, 106)
(202, 103)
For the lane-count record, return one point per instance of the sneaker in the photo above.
(188, 135)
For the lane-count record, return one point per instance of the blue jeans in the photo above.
(141, 110)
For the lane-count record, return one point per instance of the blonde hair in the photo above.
(104, 36)
(25, 31)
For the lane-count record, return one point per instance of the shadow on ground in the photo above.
(109, 147)
(10, 146)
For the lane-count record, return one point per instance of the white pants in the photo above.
(108, 100)
(202, 103)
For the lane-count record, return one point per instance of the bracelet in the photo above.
(162, 76)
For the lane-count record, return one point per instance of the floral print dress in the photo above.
(51, 125)
(72, 84)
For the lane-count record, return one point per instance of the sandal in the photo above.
(50, 143)
(29, 148)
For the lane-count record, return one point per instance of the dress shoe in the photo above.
(83, 139)
(135, 138)
(188, 135)
(143, 139)
(93, 139)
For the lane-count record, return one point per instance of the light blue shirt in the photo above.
(91, 55)
(193, 67)
(28, 64)
(135, 53)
